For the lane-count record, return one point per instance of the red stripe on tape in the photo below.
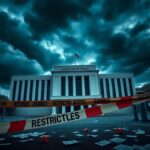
(17, 126)
(92, 112)
(124, 104)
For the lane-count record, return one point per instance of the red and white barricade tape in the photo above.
(17, 126)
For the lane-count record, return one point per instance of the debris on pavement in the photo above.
(117, 140)
(70, 142)
(26, 140)
(103, 143)
(92, 135)
(139, 131)
(131, 136)
(79, 135)
(108, 130)
(95, 130)
(119, 130)
(85, 129)
(137, 147)
(45, 138)
(76, 132)
(123, 147)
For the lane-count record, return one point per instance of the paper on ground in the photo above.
(123, 147)
(139, 131)
(95, 130)
(26, 140)
(76, 132)
(131, 136)
(92, 135)
(137, 147)
(117, 140)
(71, 142)
(79, 135)
(103, 143)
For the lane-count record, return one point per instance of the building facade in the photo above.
(69, 82)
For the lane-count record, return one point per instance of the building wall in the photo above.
(31, 88)
(74, 84)
(117, 85)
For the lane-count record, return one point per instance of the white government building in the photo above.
(69, 82)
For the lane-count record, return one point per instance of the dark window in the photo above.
(25, 90)
(113, 87)
(78, 86)
(130, 86)
(125, 87)
(31, 90)
(87, 87)
(14, 90)
(70, 83)
(42, 90)
(68, 109)
(102, 87)
(48, 89)
(85, 106)
(107, 88)
(76, 108)
(119, 87)
(20, 88)
(36, 90)
(63, 86)
(59, 109)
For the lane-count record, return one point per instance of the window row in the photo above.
(116, 87)
(31, 90)
(75, 85)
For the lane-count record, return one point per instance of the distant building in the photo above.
(69, 82)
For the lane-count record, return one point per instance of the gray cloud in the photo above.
(114, 33)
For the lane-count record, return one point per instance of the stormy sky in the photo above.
(37, 34)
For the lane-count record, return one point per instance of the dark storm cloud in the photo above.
(117, 32)
(11, 31)
(13, 62)
(49, 16)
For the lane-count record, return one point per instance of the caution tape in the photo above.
(71, 102)
(17, 126)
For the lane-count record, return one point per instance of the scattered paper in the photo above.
(71, 142)
(107, 130)
(92, 135)
(139, 131)
(79, 135)
(95, 130)
(103, 143)
(62, 136)
(26, 140)
(5, 144)
(36, 134)
(76, 132)
(137, 147)
(117, 140)
(116, 135)
(131, 136)
(2, 139)
(123, 147)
